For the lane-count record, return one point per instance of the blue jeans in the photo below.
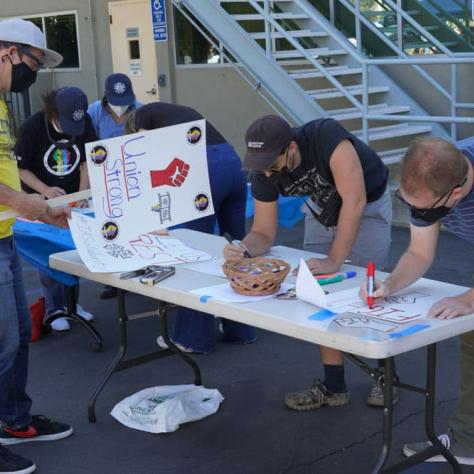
(54, 293)
(193, 329)
(15, 335)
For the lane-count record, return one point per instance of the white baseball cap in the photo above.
(27, 33)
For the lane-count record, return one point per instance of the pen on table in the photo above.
(336, 278)
(370, 284)
(233, 241)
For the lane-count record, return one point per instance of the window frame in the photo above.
(78, 37)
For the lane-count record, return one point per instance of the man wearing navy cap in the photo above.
(52, 161)
(22, 53)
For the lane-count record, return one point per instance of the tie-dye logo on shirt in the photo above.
(61, 161)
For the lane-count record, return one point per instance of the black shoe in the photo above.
(40, 429)
(108, 292)
(13, 464)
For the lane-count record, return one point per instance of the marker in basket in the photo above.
(233, 241)
(370, 284)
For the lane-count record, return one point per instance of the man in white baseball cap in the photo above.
(22, 54)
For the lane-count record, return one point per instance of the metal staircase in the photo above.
(306, 68)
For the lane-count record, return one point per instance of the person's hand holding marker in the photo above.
(235, 248)
(373, 291)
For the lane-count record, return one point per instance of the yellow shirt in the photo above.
(8, 165)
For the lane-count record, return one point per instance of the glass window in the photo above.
(61, 36)
(191, 46)
(134, 49)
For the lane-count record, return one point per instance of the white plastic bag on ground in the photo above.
(163, 409)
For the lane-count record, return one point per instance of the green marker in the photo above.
(337, 278)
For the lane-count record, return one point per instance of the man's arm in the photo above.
(262, 234)
(33, 206)
(416, 260)
(349, 179)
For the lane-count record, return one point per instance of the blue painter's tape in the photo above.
(204, 298)
(322, 315)
(409, 331)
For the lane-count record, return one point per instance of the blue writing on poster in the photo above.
(158, 17)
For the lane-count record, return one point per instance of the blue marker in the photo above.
(339, 277)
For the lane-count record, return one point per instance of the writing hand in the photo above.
(53, 191)
(235, 251)
(381, 291)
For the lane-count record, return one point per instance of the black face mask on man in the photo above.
(22, 76)
(431, 215)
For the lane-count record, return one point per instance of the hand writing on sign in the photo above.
(173, 175)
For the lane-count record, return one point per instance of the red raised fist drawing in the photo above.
(173, 175)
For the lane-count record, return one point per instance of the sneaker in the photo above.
(108, 292)
(462, 455)
(13, 464)
(59, 324)
(40, 429)
(161, 342)
(315, 397)
(80, 311)
(376, 398)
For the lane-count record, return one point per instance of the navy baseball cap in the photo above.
(72, 105)
(118, 89)
(266, 137)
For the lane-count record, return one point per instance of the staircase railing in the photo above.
(186, 6)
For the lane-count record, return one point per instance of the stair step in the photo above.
(294, 53)
(292, 34)
(370, 13)
(275, 16)
(394, 131)
(352, 113)
(421, 44)
(390, 157)
(408, 29)
(333, 93)
(332, 70)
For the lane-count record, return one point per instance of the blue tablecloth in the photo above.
(37, 241)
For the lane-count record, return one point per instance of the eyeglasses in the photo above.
(422, 211)
(24, 52)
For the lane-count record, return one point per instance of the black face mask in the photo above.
(431, 215)
(22, 76)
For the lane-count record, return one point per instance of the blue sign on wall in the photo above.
(158, 18)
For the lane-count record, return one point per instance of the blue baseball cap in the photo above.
(72, 105)
(118, 89)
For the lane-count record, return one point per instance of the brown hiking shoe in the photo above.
(315, 397)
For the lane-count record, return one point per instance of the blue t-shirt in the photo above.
(104, 124)
(460, 221)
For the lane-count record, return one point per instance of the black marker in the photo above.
(233, 241)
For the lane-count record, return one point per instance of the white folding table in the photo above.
(286, 317)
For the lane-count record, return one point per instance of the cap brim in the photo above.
(51, 58)
(125, 100)
(70, 127)
(258, 161)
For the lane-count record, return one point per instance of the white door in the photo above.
(133, 48)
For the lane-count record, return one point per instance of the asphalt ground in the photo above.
(253, 431)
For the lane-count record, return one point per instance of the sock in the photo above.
(334, 378)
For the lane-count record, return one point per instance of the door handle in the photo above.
(152, 91)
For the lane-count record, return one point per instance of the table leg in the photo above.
(163, 315)
(437, 447)
(122, 317)
(387, 415)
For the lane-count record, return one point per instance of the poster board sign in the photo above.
(149, 180)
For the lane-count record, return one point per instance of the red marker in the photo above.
(370, 284)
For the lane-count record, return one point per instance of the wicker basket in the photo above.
(257, 276)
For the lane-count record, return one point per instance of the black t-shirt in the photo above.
(53, 166)
(163, 114)
(316, 141)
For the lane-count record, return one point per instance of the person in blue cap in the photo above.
(52, 162)
(23, 53)
(109, 116)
